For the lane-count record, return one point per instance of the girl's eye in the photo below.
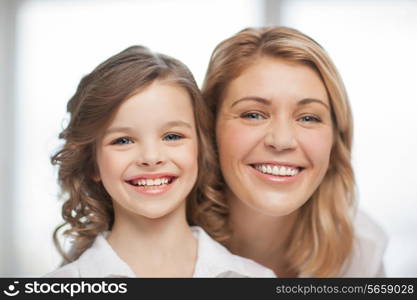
(122, 141)
(309, 119)
(172, 137)
(253, 116)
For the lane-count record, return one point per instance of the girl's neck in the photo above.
(162, 247)
(260, 237)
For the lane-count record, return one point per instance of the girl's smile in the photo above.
(152, 184)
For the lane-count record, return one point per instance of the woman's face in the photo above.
(274, 134)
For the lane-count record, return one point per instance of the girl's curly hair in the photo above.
(87, 209)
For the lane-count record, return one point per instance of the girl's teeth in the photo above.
(151, 182)
(277, 170)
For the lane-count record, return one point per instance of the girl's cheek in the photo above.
(186, 155)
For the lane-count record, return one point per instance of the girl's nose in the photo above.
(150, 154)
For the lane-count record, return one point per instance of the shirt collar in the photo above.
(100, 260)
(213, 260)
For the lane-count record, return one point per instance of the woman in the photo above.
(284, 136)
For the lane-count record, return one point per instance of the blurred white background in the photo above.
(47, 46)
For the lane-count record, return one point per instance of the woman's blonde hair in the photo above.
(322, 240)
(88, 208)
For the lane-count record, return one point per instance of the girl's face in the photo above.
(147, 157)
(274, 135)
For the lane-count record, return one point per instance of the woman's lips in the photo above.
(275, 173)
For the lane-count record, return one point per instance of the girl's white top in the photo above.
(213, 260)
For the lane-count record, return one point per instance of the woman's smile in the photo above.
(274, 172)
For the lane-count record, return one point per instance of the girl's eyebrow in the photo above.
(177, 123)
(126, 129)
(118, 129)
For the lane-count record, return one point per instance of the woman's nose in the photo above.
(281, 135)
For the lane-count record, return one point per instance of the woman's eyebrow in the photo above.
(312, 100)
(252, 98)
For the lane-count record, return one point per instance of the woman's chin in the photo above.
(274, 205)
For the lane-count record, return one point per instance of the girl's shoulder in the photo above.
(370, 242)
(100, 260)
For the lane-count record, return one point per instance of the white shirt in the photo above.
(213, 260)
(369, 246)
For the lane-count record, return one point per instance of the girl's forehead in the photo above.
(158, 104)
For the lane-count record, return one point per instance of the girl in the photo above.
(284, 135)
(133, 170)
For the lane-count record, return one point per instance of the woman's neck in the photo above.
(260, 237)
(162, 247)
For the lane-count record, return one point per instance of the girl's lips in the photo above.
(150, 176)
(153, 190)
(152, 183)
(275, 178)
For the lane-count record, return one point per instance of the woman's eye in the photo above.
(122, 141)
(309, 119)
(253, 116)
(172, 137)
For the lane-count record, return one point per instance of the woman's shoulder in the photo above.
(366, 227)
(370, 242)
(70, 270)
(215, 260)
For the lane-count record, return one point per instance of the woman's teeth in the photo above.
(277, 170)
(151, 182)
